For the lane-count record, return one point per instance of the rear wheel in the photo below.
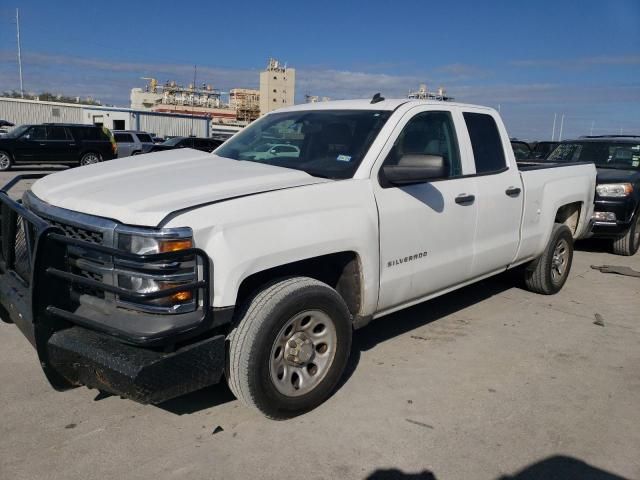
(548, 273)
(630, 243)
(90, 158)
(5, 162)
(290, 347)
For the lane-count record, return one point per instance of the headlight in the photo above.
(150, 277)
(144, 245)
(614, 189)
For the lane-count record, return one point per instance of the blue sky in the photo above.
(533, 59)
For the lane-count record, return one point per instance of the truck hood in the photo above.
(612, 175)
(144, 189)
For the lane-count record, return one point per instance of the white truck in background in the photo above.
(154, 276)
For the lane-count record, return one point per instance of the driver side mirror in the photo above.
(415, 168)
(26, 136)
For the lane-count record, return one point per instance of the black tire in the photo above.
(630, 243)
(6, 162)
(90, 158)
(260, 325)
(543, 275)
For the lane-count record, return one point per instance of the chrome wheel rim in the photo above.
(303, 352)
(90, 159)
(5, 161)
(560, 260)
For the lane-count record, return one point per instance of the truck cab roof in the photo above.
(365, 104)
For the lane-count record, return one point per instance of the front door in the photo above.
(427, 230)
(32, 146)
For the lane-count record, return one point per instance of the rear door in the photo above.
(426, 230)
(500, 193)
(125, 143)
(60, 143)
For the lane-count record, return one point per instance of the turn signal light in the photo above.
(175, 245)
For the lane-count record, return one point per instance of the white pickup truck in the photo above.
(154, 276)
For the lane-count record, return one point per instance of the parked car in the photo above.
(521, 150)
(197, 143)
(617, 201)
(131, 142)
(541, 150)
(67, 144)
(5, 127)
(153, 278)
(268, 151)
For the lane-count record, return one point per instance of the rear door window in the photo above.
(486, 143)
(123, 137)
(57, 133)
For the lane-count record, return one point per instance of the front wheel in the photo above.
(630, 243)
(549, 272)
(90, 158)
(290, 347)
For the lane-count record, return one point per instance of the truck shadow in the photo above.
(556, 467)
(378, 331)
(596, 245)
(404, 321)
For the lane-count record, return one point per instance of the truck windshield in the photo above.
(620, 155)
(323, 143)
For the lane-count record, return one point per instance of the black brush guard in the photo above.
(74, 349)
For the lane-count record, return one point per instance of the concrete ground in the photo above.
(487, 382)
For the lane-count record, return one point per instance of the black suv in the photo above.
(57, 143)
(204, 144)
(617, 200)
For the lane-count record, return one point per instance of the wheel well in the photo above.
(569, 214)
(341, 271)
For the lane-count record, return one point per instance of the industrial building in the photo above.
(21, 112)
(190, 100)
(245, 102)
(277, 86)
(423, 93)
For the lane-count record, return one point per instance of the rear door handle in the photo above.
(464, 199)
(513, 191)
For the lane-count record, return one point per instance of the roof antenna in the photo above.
(377, 98)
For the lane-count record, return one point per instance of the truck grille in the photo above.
(75, 254)
(79, 233)
(22, 265)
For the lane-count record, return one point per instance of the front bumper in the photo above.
(623, 208)
(76, 347)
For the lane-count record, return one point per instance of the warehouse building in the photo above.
(21, 112)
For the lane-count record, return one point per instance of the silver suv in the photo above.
(131, 142)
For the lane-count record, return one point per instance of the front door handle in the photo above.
(464, 199)
(513, 191)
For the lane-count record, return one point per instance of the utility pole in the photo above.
(195, 73)
(553, 132)
(561, 126)
(19, 53)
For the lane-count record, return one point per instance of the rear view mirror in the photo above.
(415, 168)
